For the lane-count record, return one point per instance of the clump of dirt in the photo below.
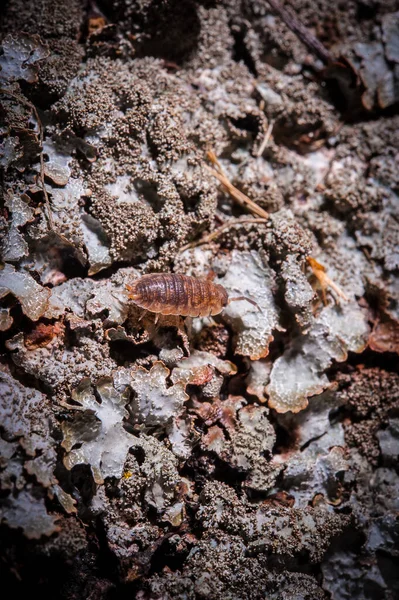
(371, 397)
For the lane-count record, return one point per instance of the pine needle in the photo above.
(235, 193)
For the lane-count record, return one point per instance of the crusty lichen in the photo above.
(247, 277)
(154, 403)
(106, 443)
(299, 372)
(28, 460)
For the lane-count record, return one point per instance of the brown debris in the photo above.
(319, 271)
(265, 140)
(385, 336)
(210, 237)
(222, 412)
(42, 335)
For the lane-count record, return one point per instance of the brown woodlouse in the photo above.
(176, 294)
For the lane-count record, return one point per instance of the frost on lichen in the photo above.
(182, 436)
(96, 244)
(300, 372)
(110, 297)
(65, 202)
(247, 276)
(57, 166)
(96, 435)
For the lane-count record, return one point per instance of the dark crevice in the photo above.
(241, 52)
(112, 270)
(125, 352)
(313, 439)
(286, 440)
(147, 190)
(165, 556)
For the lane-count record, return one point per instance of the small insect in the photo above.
(175, 294)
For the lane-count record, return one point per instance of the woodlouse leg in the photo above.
(156, 318)
(185, 328)
(210, 276)
(143, 314)
(247, 299)
(187, 324)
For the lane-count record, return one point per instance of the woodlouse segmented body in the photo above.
(175, 294)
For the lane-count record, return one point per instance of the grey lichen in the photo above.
(34, 298)
(154, 403)
(247, 276)
(300, 372)
(27, 447)
(106, 443)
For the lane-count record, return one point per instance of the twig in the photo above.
(235, 193)
(308, 39)
(23, 100)
(214, 160)
(265, 140)
(214, 234)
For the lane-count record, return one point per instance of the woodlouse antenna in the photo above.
(247, 299)
(132, 293)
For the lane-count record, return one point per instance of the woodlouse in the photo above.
(176, 294)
